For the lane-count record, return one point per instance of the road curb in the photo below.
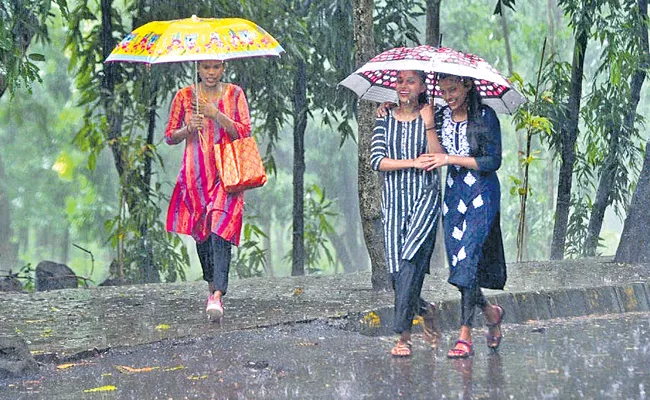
(521, 307)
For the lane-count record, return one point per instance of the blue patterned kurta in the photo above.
(410, 197)
(472, 201)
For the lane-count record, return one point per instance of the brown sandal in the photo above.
(401, 349)
(493, 342)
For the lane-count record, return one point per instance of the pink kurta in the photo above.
(199, 204)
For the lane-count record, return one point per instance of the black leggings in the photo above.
(407, 283)
(470, 298)
(215, 254)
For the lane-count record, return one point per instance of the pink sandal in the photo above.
(456, 352)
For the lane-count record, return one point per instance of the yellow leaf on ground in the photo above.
(162, 327)
(372, 319)
(107, 388)
(70, 365)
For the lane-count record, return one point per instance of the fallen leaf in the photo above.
(297, 291)
(174, 368)
(162, 327)
(196, 377)
(130, 370)
(108, 388)
(371, 319)
(70, 365)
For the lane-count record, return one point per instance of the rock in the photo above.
(10, 284)
(15, 358)
(114, 282)
(54, 276)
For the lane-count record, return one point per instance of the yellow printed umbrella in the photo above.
(195, 39)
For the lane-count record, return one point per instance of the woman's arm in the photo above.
(489, 142)
(175, 131)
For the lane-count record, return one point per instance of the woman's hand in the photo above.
(427, 113)
(424, 161)
(206, 108)
(438, 160)
(196, 123)
(383, 108)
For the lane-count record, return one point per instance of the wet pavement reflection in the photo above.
(596, 357)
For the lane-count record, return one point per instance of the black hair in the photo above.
(473, 97)
(422, 98)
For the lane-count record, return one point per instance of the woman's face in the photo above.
(211, 72)
(409, 85)
(454, 92)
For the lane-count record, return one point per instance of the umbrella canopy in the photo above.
(376, 80)
(195, 39)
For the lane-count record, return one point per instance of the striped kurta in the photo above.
(199, 204)
(410, 197)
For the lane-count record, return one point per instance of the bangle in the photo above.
(430, 128)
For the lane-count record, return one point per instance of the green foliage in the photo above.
(22, 22)
(250, 257)
(318, 225)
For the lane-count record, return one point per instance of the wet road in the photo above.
(596, 357)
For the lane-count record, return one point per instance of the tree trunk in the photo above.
(267, 220)
(634, 246)
(299, 127)
(369, 193)
(7, 248)
(438, 258)
(569, 134)
(107, 86)
(150, 272)
(342, 251)
(432, 37)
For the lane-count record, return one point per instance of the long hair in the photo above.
(473, 97)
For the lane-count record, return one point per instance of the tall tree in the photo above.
(369, 193)
(634, 246)
(582, 21)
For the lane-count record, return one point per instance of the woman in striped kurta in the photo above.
(199, 205)
(470, 134)
(410, 202)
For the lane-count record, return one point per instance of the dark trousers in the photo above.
(407, 283)
(215, 254)
(470, 298)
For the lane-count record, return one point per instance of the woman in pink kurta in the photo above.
(199, 205)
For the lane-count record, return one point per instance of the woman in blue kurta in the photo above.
(470, 135)
(410, 202)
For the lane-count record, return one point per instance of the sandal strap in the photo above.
(464, 342)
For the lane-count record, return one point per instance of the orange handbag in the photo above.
(239, 164)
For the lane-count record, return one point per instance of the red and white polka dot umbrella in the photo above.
(376, 79)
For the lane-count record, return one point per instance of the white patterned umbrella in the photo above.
(376, 79)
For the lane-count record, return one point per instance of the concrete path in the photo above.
(71, 324)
